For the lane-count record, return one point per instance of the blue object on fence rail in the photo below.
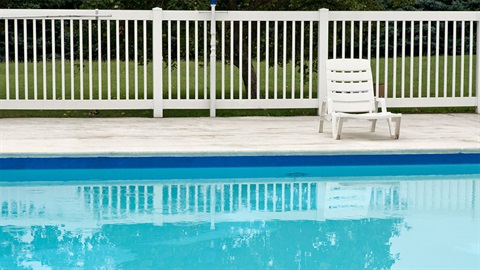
(213, 2)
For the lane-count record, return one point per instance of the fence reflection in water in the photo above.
(164, 202)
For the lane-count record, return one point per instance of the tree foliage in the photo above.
(145, 4)
(236, 4)
(298, 4)
(442, 5)
(41, 4)
(439, 5)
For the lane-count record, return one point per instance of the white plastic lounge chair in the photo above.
(350, 96)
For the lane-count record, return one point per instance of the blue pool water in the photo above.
(248, 213)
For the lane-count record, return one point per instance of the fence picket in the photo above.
(99, 57)
(35, 75)
(72, 63)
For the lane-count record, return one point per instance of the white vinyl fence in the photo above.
(111, 59)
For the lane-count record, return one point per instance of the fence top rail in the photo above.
(267, 16)
(54, 17)
(187, 15)
(404, 16)
(78, 14)
(222, 15)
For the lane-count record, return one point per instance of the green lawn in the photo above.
(118, 88)
(89, 89)
(428, 84)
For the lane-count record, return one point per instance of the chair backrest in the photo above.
(350, 85)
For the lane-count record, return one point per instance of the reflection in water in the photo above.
(257, 224)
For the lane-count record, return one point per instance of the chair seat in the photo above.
(368, 116)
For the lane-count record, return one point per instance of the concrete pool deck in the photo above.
(431, 133)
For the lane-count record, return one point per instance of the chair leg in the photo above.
(334, 127)
(397, 127)
(389, 121)
(339, 128)
(394, 134)
(374, 123)
(322, 117)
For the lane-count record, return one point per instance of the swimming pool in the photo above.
(344, 212)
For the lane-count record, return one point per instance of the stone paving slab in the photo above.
(232, 136)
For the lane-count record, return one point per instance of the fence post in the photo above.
(213, 61)
(322, 56)
(478, 64)
(157, 63)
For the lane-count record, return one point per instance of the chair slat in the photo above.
(350, 87)
(353, 107)
(348, 64)
(349, 76)
(357, 97)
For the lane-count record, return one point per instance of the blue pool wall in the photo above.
(207, 168)
(42, 163)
